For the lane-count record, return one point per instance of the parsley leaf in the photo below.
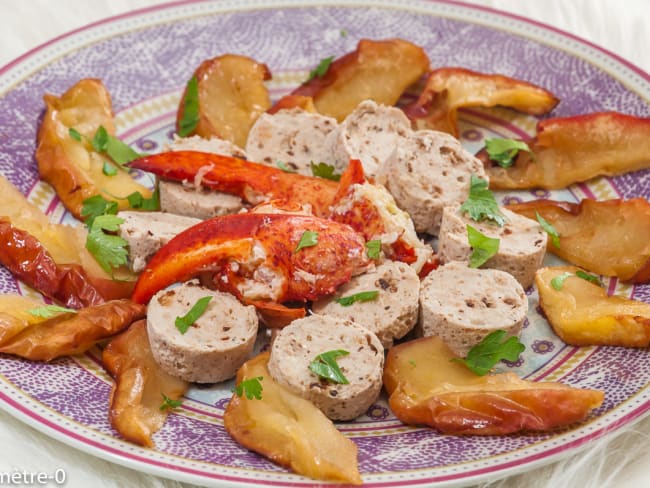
(108, 169)
(95, 206)
(308, 239)
(100, 139)
(251, 387)
(483, 247)
(549, 229)
(109, 250)
(588, 277)
(504, 151)
(48, 311)
(481, 203)
(325, 366)
(558, 281)
(321, 69)
(190, 118)
(492, 349)
(364, 296)
(373, 248)
(74, 133)
(137, 201)
(183, 323)
(324, 170)
(118, 151)
(169, 404)
(284, 167)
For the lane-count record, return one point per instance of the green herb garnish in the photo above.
(321, 69)
(137, 201)
(109, 250)
(169, 404)
(190, 118)
(283, 166)
(95, 206)
(344, 33)
(483, 247)
(588, 277)
(108, 169)
(47, 311)
(504, 151)
(74, 133)
(183, 323)
(558, 281)
(483, 356)
(324, 170)
(373, 249)
(364, 296)
(118, 151)
(308, 239)
(251, 387)
(325, 366)
(481, 204)
(549, 229)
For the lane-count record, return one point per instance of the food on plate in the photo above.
(291, 139)
(147, 232)
(384, 300)
(71, 332)
(569, 150)
(288, 429)
(259, 257)
(607, 237)
(582, 314)
(18, 312)
(428, 171)
(223, 98)
(293, 101)
(427, 387)
(208, 349)
(68, 152)
(448, 89)
(334, 363)
(522, 242)
(377, 70)
(369, 133)
(462, 305)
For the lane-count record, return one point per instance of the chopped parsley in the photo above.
(324, 170)
(109, 250)
(137, 201)
(322, 68)
(483, 247)
(108, 169)
(373, 249)
(325, 366)
(412, 363)
(549, 229)
(493, 348)
(558, 281)
(169, 403)
(284, 167)
(118, 151)
(48, 311)
(183, 323)
(504, 151)
(251, 387)
(95, 206)
(588, 277)
(74, 133)
(308, 239)
(190, 118)
(481, 204)
(364, 296)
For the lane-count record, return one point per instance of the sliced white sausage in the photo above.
(298, 344)
(394, 311)
(293, 136)
(146, 232)
(211, 145)
(522, 243)
(462, 305)
(370, 133)
(214, 346)
(428, 171)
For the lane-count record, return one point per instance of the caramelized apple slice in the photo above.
(607, 237)
(377, 70)
(289, 430)
(231, 94)
(574, 149)
(293, 101)
(70, 333)
(71, 166)
(15, 316)
(582, 314)
(136, 406)
(448, 89)
(426, 387)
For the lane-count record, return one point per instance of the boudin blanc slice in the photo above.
(522, 243)
(370, 133)
(189, 198)
(462, 305)
(146, 232)
(298, 344)
(391, 314)
(428, 171)
(213, 347)
(293, 137)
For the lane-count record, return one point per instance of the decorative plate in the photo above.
(146, 57)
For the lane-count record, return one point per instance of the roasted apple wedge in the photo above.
(582, 314)
(569, 150)
(377, 70)
(230, 93)
(427, 388)
(448, 89)
(143, 393)
(66, 159)
(608, 237)
(288, 429)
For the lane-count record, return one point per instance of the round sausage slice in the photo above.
(394, 310)
(298, 344)
(462, 305)
(214, 346)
